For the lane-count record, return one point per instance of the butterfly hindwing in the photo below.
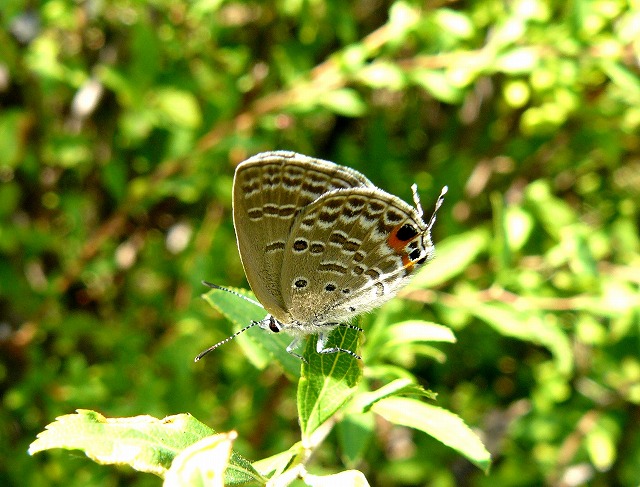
(348, 252)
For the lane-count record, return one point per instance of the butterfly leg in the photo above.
(292, 346)
(323, 337)
(352, 327)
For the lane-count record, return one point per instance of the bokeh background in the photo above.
(120, 127)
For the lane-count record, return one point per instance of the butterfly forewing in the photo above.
(269, 191)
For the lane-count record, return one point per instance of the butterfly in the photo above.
(321, 244)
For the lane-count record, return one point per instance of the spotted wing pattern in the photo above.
(269, 191)
(348, 252)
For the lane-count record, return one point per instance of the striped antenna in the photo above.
(416, 199)
(438, 205)
(213, 347)
(253, 323)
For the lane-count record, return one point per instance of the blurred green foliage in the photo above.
(121, 123)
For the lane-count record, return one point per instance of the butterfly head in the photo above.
(270, 323)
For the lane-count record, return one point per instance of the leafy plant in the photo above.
(121, 123)
(331, 388)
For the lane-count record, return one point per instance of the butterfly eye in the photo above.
(273, 326)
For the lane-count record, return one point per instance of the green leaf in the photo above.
(453, 256)
(519, 225)
(328, 380)
(355, 432)
(203, 463)
(402, 339)
(352, 478)
(405, 332)
(625, 79)
(43, 58)
(275, 465)
(388, 372)
(437, 84)
(443, 425)
(554, 213)
(520, 60)
(601, 442)
(211, 461)
(403, 18)
(145, 443)
(240, 471)
(363, 401)
(260, 346)
(178, 107)
(455, 23)
(345, 101)
(383, 74)
(528, 325)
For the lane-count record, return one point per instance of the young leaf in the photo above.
(203, 463)
(275, 465)
(443, 425)
(396, 337)
(352, 478)
(355, 432)
(436, 83)
(179, 107)
(328, 380)
(345, 101)
(260, 344)
(145, 443)
(363, 401)
(453, 255)
(208, 463)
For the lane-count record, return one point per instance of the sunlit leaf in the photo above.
(203, 463)
(328, 380)
(259, 344)
(352, 478)
(275, 465)
(437, 84)
(517, 61)
(453, 256)
(530, 326)
(345, 102)
(145, 443)
(399, 387)
(179, 107)
(383, 75)
(437, 422)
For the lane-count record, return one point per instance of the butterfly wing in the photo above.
(269, 190)
(350, 251)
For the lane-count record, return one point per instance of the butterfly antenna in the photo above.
(213, 347)
(416, 199)
(235, 293)
(432, 221)
(253, 323)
